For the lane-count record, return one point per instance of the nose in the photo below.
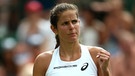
(71, 25)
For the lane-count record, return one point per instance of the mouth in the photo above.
(72, 34)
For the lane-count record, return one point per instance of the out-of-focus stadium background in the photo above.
(25, 32)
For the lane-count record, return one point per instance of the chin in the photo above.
(74, 40)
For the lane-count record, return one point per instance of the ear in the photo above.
(54, 29)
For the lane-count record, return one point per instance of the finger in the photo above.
(103, 62)
(102, 58)
(105, 52)
(104, 55)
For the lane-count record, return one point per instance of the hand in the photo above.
(103, 59)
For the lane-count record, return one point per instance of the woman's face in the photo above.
(68, 26)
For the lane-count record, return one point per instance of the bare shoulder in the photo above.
(44, 55)
(44, 58)
(101, 58)
(42, 62)
(94, 50)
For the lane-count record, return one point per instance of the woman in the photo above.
(70, 58)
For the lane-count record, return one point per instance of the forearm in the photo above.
(106, 72)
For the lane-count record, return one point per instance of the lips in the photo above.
(72, 34)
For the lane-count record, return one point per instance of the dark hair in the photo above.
(56, 12)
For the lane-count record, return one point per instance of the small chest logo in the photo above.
(84, 67)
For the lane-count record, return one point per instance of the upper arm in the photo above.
(41, 64)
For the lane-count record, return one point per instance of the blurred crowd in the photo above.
(25, 32)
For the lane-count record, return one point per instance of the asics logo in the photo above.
(84, 67)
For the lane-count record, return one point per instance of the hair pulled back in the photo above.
(57, 11)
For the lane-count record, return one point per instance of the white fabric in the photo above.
(58, 67)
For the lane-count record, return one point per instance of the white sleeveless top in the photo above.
(84, 66)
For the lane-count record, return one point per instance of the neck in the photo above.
(70, 51)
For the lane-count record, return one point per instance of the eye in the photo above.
(74, 21)
(65, 23)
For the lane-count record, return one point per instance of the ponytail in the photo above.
(57, 40)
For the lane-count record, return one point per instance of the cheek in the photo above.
(62, 30)
(78, 29)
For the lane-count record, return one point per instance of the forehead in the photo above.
(67, 15)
